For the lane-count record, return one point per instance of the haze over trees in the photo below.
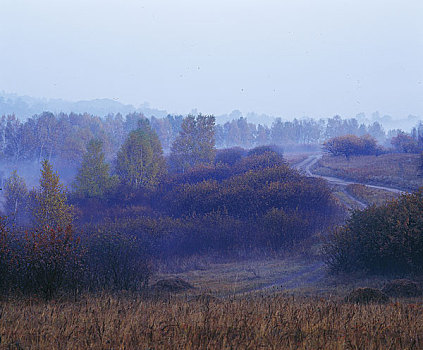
(63, 138)
(404, 143)
(39, 136)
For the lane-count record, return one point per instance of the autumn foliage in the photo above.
(51, 262)
(40, 261)
(384, 239)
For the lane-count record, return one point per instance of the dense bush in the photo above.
(115, 261)
(51, 261)
(229, 156)
(351, 145)
(40, 261)
(258, 202)
(250, 194)
(165, 236)
(48, 261)
(264, 160)
(385, 239)
(256, 151)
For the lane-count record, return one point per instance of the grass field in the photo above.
(245, 322)
(285, 303)
(391, 170)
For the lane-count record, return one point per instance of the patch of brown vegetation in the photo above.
(402, 288)
(367, 296)
(172, 285)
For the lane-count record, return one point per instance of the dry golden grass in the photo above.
(392, 170)
(255, 322)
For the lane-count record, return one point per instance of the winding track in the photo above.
(305, 167)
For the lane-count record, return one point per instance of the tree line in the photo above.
(66, 136)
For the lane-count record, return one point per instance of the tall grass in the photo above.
(254, 322)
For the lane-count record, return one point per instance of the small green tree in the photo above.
(93, 179)
(140, 162)
(195, 143)
(49, 207)
(16, 195)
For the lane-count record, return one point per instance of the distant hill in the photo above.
(26, 106)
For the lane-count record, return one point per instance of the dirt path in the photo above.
(304, 277)
(306, 165)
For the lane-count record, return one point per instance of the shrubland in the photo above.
(386, 239)
(108, 238)
(257, 202)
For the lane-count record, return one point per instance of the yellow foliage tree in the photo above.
(49, 204)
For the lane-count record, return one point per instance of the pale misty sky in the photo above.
(287, 58)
